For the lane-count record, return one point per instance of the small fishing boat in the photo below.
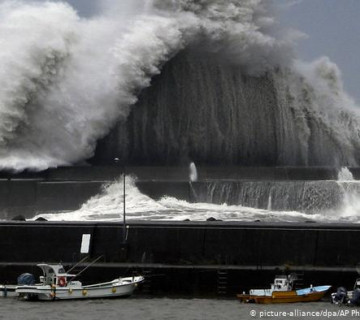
(345, 297)
(56, 284)
(281, 291)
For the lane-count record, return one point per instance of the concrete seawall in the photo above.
(246, 254)
(190, 258)
(100, 173)
(61, 189)
(28, 197)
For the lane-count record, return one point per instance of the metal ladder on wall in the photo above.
(222, 282)
(146, 286)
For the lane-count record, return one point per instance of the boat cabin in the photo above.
(281, 283)
(54, 274)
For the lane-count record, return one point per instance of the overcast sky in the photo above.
(332, 27)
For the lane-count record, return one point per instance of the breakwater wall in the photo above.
(100, 173)
(60, 189)
(188, 257)
(28, 197)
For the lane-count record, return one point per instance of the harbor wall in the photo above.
(190, 258)
(181, 257)
(254, 244)
(61, 189)
(27, 198)
(101, 173)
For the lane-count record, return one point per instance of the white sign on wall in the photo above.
(85, 243)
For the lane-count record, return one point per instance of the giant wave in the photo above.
(217, 82)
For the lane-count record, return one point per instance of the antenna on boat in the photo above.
(124, 199)
(88, 266)
(81, 261)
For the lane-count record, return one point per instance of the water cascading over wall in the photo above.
(204, 108)
(301, 196)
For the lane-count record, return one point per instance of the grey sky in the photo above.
(85, 8)
(332, 26)
(333, 29)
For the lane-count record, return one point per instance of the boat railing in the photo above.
(103, 284)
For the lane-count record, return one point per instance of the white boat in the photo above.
(56, 284)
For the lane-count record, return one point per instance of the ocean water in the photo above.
(168, 309)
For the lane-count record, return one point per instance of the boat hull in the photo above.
(284, 297)
(48, 293)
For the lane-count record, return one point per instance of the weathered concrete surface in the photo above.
(101, 173)
(67, 188)
(250, 254)
(200, 243)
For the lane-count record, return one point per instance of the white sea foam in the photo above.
(108, 206)
(65, 80)
(350, 207)
(345, 175)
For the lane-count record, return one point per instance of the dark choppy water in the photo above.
(164, 308)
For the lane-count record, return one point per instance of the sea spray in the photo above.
(204, 109)
(345, 174)
(69, 79)
(350, 188)
(107, 206)
(105, 66)
(193, 175)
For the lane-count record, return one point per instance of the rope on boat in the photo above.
(97, 259)
(81, 261)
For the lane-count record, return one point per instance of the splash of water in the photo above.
(107, 206)
(350, 207)
(345, 175)
(65, 80)
(204, 109)
(193, 176)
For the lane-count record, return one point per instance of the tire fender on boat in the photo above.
(62, 281)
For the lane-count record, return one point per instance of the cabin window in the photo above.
(50, 276)
(61, 270)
